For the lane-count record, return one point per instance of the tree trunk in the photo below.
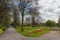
(22, 22)
(33, 22)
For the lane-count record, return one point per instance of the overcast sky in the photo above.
(50, 9)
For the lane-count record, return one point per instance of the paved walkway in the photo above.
(11, 34)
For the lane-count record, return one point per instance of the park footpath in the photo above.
(11, 34)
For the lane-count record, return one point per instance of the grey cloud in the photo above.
(50, 9)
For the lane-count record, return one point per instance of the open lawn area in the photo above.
(32, 32)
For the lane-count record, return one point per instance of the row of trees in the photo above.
(32, 11)
(5, 15)
(23, 6)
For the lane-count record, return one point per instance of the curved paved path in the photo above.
(11, 34)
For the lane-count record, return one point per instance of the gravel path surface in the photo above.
(11, 34)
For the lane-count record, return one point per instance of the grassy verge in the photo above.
(27, 29)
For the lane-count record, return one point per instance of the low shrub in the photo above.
(1, 31)
(3, 27)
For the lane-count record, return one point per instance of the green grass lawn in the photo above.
(27, 29)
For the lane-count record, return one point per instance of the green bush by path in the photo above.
(3, 27)
(1, 31)
(27, 29)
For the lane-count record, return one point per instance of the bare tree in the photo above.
(34, 13)
(16, 21)
(23, 4)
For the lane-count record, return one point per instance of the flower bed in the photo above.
(33, 32)
(37, 31)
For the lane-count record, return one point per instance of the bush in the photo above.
(50, 23)
(1, 31)
(3, 27)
